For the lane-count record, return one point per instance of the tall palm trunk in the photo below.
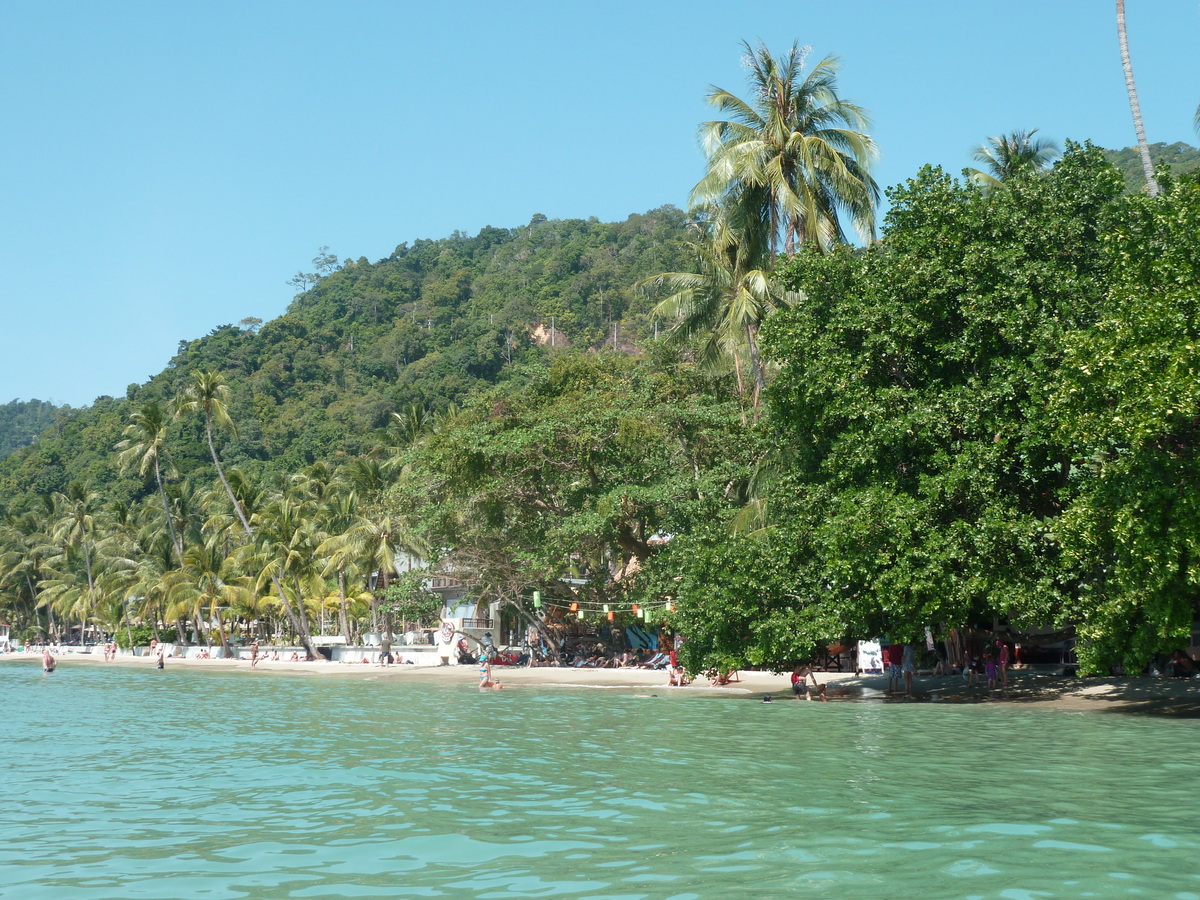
(212, 449)
(226, 651)
(760, 383)
(162, 493)
(298, 624)
(1134, 106)
(345, 618)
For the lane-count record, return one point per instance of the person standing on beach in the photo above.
(908, 665)
(254, 654)
(1003, 663)
(160, 663)
(893, 656)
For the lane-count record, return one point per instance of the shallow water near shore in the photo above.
(125, 782)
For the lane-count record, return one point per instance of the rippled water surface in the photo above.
(136, 783)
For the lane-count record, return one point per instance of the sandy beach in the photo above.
(1163, 696)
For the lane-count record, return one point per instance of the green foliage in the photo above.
(911, 404)
(409, 600)
(21, 422)
(580, 471)
(1130, 399)
(142, 636)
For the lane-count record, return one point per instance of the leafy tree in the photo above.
(1130, 399)
(580, 472)
(409, 601)
(912, 391)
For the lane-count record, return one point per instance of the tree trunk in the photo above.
(296, 623)
(760, 383)
(342, 609)
(1134, 106)
(162, 493)
(226, 651)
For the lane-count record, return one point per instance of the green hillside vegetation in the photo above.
(1178, 158)
(22, 422)
(364, 340)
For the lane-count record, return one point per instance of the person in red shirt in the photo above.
(893, 654)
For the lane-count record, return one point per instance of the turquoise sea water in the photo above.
(137, 783)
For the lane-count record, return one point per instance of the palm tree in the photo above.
(206, 585)
(725, 301)
(1008, 155)
(375, 544)
(284, 550)
(77, 532)
(145, 446)
(23, 562)
(210, 393)
(796, 150)
(339, 514)
(1134, 106)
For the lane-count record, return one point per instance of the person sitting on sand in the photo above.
(677, 677)
(1183, 666)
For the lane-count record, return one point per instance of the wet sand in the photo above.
(1163, 696)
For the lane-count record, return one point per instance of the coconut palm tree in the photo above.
(210, 393)
(284, 551)
(1134, 107)
(797, 150)
(725, 302)
(206, 586)
(77, 531)
(1008, 155)
(23, 562)
(144, 447)
(381, 544)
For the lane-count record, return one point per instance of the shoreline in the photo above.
(1143, 694)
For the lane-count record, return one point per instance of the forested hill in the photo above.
(1179, 157)
(363, 340)
(21, 421)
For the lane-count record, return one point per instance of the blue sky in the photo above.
(165, 168)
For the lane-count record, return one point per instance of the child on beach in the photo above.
(1003, 663)
(989, 665)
